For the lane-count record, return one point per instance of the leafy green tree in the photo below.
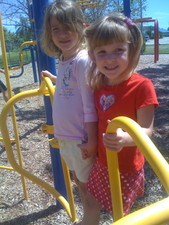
(102, 9)
(16, 9)
(137, 9)
(10, 40)
(23, 31)
(19, 13)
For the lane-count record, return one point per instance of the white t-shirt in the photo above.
(73, 104)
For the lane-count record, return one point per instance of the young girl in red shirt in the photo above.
(114, 44)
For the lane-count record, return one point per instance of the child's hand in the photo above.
(46, 73)
(88, 150)
(84, 152)
(114, 142)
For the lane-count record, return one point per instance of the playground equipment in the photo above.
(16, 140)
(43, 62)
(155, 214)
(156, 35)
(91, 4)
(151, 153)
(9, 90)
(21, 54)
(26, 45)
(46, 88)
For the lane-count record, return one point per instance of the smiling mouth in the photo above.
(110, 68)
(64, 42)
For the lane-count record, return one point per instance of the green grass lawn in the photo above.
(163, 49)
(13, 58)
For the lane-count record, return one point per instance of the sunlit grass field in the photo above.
(13, 57)
(163, 49)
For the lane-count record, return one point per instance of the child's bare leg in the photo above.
(5, 96)
(90, 205)
(91, 208)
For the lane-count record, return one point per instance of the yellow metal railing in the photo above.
(155, 214)
(91, 4)
(46, 88)
(21, 54)
(9, 89)
(152, 155)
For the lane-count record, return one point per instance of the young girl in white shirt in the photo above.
(74, 113)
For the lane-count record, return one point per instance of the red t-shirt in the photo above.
(123, 99)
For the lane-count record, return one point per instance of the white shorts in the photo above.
(73, 158)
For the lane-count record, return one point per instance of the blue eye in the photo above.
(119, 50)
(102, 52)
(54, 29)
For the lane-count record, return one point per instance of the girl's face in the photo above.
(63, 38)
(112, 61)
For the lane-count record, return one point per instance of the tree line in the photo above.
(20, 16)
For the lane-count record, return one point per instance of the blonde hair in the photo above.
(67, 13)
(113, 28)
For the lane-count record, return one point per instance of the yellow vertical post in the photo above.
(114, 179)
(51, 89)
(69, 190)
(5, 62)
(115, 185)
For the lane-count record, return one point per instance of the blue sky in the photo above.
(158, 9)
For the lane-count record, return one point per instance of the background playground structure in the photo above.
(13, 57)
(163, 46)
(26, 117)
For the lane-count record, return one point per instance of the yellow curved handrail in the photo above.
(49, 87)
(43, 90)
(155, 214)
(146, 146)
(79, 2)
(9, 89)
(91, 4)
(21, 54)
(66, 173)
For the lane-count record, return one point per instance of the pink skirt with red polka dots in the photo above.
(132, 185)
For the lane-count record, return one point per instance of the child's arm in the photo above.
(145, 118)
(89, 146)
(92, 139)
(46, 73)
(2, 71)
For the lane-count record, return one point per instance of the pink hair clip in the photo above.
(129, 22)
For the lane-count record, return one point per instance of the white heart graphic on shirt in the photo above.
(106, 101)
